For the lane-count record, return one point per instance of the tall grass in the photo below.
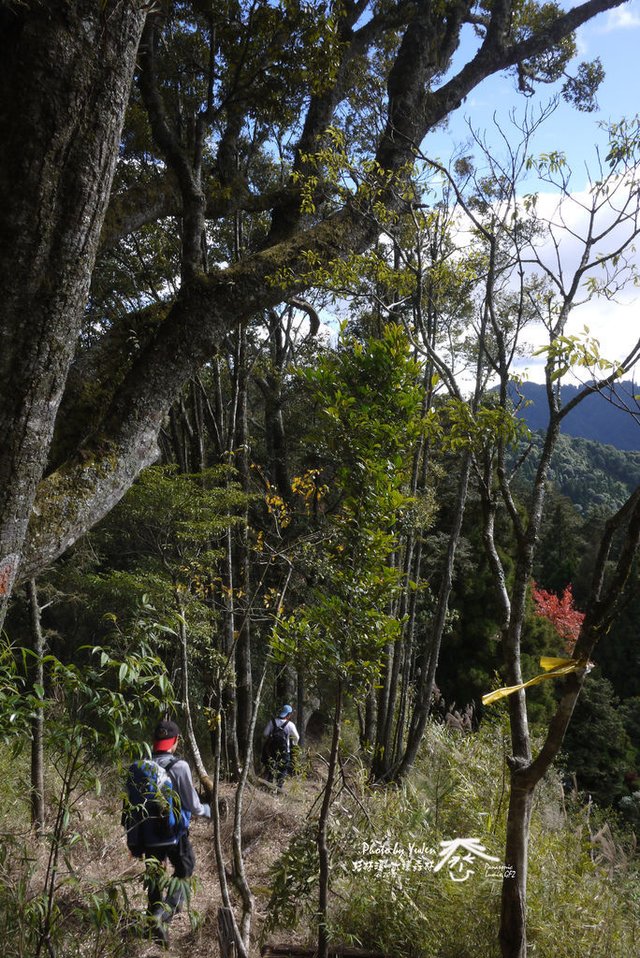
(94, 907)
(584, 881)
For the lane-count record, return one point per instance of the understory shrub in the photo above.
(396, 890)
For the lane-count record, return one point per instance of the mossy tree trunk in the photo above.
(65, 75)
(64, 86)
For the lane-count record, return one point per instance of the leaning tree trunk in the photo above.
(605, 597)
(64, 86)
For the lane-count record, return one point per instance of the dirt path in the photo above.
(269, 821)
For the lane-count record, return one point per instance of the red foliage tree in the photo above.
(560, 612)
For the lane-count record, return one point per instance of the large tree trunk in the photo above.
(65, 75)
(64, 85)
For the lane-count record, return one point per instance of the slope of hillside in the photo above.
(590, 473)
(597, 417)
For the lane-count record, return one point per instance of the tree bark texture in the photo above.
(226, 937)
(513, 940)
(64, 86)
(323, 822)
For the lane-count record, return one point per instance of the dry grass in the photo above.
(269, 820)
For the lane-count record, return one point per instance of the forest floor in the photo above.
(584, 868)
(269, 821)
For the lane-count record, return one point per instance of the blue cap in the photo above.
(284, 711)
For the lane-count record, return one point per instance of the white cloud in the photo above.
(613, 322)
(615, 325)
(582, 45)
(622, 18)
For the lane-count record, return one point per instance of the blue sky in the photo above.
(615, 38)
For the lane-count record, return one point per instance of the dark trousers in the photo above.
(183, 860)
(277, 768)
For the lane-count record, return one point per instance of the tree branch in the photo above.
(72, 499)
(600, 610)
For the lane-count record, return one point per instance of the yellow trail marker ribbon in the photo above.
(553, 668)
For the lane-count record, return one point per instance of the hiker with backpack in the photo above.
(278, 734)
(159, 805)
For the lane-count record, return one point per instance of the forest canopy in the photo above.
(261, 417)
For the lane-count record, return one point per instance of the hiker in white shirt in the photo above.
(279, 733)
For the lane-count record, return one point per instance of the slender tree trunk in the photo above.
(198, 434)
(64, 86)
(244, 679)
(177, 440)
(369, 729)
(244, 684)
(203, 775)
(232, 758)
(232, 944)
(604, 598)
(323, 821)
(383, 699)
(229, 698)
(234, 937)
(239, 874)
(300, 707)
(276, 438)
(384, 747)
(37, 722)
(427, 682)
(513, 940)
(389, 725)
(409, 662)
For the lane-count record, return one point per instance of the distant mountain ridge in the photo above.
(595, 418)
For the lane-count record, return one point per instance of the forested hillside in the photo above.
(269, 501)
(590, 474)
(609, 419)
